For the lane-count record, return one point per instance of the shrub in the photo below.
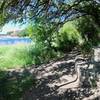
(68, 37)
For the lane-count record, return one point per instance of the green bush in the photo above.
(42, 54)
(86, 47)
(88, 29)
(68, 37)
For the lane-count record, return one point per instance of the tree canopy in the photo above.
(55, 11)
(53, 14)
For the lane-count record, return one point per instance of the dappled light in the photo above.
(58, 80)
(49, 49)
(14, 82)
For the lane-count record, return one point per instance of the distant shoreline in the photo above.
(14, 40)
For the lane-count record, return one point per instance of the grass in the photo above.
(14, 56)
(14, 84)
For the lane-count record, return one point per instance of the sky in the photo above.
(12, 27)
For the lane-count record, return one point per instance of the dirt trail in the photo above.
(53, 80)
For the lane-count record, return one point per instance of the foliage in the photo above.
(88, 29)
(58, 11)
(42, 54)
(92, 9)
(50, 33)
(48, 42)
(68, 37)
(28, 31)
(21, 9)
(54, 13)
(86, 48)
(42, 35)
(23, 33)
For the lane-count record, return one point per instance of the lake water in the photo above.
(14, 40)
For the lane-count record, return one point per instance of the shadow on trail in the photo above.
(39, 83)
(14, 83)
(50, 75)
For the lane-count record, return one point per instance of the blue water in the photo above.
(14, 40)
